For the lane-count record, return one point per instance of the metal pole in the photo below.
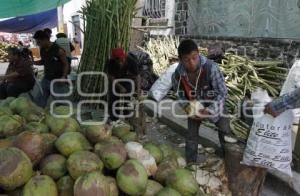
(60, 16)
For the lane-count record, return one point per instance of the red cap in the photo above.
(118, 53)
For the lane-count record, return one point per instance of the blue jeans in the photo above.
(42, 97)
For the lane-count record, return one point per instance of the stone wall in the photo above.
(181, 17)
(245, 18)
(255, 48)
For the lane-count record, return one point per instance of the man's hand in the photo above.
(202, 115)
(269, 110)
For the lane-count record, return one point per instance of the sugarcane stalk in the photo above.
(107, 25)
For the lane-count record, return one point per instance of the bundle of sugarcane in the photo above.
(163, 52)
(243, 75)
(107, 25)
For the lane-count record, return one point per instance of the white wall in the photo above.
(70, 9)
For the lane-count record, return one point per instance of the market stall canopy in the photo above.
(30, 23)
(15, 8)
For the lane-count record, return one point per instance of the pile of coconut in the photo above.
(44, 154)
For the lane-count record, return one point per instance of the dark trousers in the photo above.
(70, 63)
(112, 99)
(191, 147)
(113, 112)
(42, 97)
(14, 89)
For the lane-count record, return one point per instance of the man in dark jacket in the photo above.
(55, 64)
(199, 79)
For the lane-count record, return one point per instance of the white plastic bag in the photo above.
(293, 79)
(291, 83)
(162, 86)
(269, 144)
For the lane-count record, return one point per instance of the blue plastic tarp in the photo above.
(15, 8)
(30, 23)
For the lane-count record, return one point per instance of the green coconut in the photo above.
(111, 140)
(83, 162)
(113, 187)
(5, 143)
(113, 155)
(183, 181)
(5, 111)
(20, 105)
(6, 102)
(59, 126)
(168, 192)
(153, 188)
(71, 142)
(49, 139)
(64, 111)
(15, 168)
(132, 178)
(16, 192)
(33, 144)
(129, 137)
(93, 184)
(32, 116)
(165, 168)
(97, 133)
(54, 165)
(114, 140)
(120, 129)
(65, 186)
(19, 118)
(10, 125)
(167, 150)
(40, 185)
(37, 127)
(155, 151)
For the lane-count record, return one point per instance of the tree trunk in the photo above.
(243, 180)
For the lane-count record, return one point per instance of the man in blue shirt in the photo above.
(200, 79)
(283, 103)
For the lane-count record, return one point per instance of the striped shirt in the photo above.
(287, 101)
(217, 83)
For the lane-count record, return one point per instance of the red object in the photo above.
(118, 53)
(187, 88)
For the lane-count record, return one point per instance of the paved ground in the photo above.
(279, 186)
(156, 131)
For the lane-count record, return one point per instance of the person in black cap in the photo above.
(55, 64)
(48, 32)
